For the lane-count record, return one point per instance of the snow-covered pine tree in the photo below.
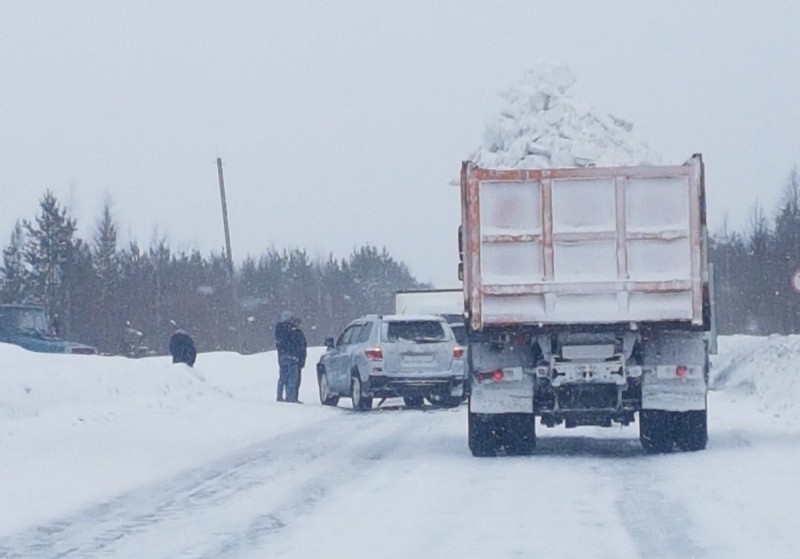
(106, 264)
(104, 252)
(47, 250)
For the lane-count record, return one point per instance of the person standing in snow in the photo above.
(291, 345)
(182, 348)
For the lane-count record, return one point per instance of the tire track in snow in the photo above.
(113, 528)
(363, 458)
(660, 525)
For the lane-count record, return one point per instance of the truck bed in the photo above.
(588, 245)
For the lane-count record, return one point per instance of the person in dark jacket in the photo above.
(291, 345)
(181, 346)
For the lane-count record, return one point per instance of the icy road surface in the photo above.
(132, 459)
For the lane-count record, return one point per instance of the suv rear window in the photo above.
(415, 331)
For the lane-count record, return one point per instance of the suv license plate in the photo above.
(417, 359)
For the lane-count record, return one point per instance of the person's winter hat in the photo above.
(286, 315)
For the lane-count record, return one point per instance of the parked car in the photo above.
(27, 326)
(414, 357)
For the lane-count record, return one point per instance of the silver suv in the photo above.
(414, 357)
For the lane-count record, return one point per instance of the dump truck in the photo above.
(587, 302)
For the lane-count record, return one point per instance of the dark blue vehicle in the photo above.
(27, 326)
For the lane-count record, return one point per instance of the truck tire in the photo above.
(361, 402)
(519, 433)
(655, 430)
(483, 439)
(691, 430)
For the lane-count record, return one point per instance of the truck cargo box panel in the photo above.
(565, 246)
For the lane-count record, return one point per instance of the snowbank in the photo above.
(34, 384)
(542, 126)
(761, 371)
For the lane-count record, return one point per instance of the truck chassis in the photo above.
(595, 377)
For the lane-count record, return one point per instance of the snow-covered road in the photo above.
(143, 459)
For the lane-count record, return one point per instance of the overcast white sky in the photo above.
(341, 123)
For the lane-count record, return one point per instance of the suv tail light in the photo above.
(458, 352)
(495, 376)
(374, 353)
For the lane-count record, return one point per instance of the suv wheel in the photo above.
(325, 395)
(361, 402)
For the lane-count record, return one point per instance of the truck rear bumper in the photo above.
(502, 397)
(674, 395)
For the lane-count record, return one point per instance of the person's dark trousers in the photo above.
(284, 373)
(292, 369)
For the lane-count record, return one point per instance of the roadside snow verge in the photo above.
(761, 369)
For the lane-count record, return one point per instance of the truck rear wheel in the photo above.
(483, 439)
(520, 433)
(655, 430)
(691, 430)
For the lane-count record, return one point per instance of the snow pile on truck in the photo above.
(543, 126)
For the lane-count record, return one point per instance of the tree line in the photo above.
(99, 291)
(753, 269)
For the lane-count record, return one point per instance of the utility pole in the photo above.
(231, 275)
